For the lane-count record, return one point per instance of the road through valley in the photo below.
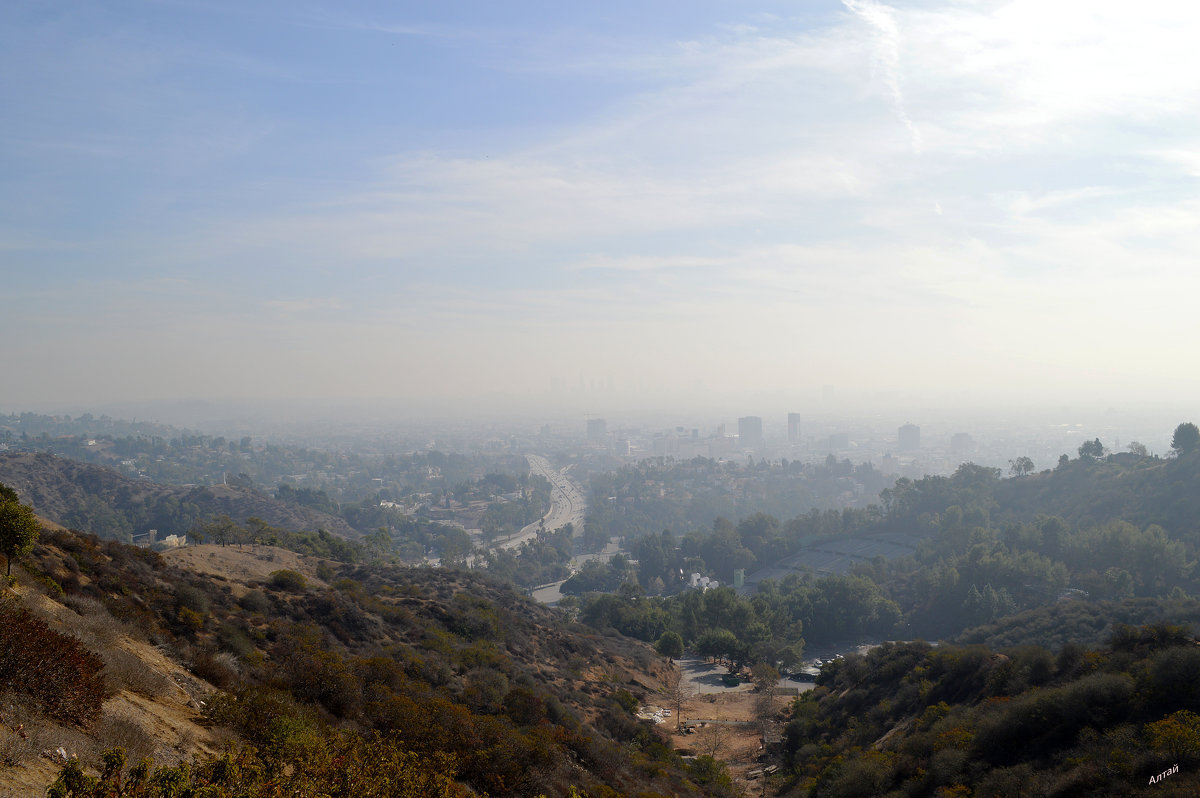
(567, 504)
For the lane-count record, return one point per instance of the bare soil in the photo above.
(742, 747)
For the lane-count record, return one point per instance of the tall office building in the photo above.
(793, 428)
(750, 432)
(596, 429)
(910, 437)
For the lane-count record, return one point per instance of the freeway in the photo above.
(567, 505)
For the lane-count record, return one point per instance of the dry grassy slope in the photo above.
(156, 702)
(238, 565)
(154, 709)
(54, 485)
(535, 638)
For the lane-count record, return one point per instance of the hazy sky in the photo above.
(201, 198)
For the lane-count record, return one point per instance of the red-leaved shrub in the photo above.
(52, 668)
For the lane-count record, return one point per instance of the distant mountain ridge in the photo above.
(99, 500)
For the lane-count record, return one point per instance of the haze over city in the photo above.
(600, 207)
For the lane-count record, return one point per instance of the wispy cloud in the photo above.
(882, 20)
(977, 174)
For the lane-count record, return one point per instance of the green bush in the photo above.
(288, 580)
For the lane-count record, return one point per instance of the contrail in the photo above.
(882, 19)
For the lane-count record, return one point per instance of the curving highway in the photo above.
(567, 505)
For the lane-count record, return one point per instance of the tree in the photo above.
(1139, 449)
(1091, 450)
(719, 644)
(670, 645)
(1186, 438)
(766, 679)
(223, 530)
(678, 692)
(380, 541)
(1020, 466)
(19, 528)
(712, 739)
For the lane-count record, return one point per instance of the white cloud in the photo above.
(914, 188)
(882, 20)
(1186, 158)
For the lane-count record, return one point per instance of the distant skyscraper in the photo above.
(961, 443)
(750, 432)
(596, 429)
(910, 437)
(793, 428)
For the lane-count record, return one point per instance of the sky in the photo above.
(593, 205)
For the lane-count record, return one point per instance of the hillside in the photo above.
(149, 703)
(1141, 490)
(909, 719)
(474, 685)
(97, 499)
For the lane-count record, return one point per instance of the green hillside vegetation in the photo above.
(351, 470)
(467, 686)
(909, 719)
(1064, 598)
(1078, 580)
(988, 548)
(102, 501)
(688, 496)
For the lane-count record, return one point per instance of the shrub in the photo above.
(255, 601)
(220, 669)
(54, 669)
(127, 734)
(193, 598)
(1177, 735)
(626, 700)
(234, 640)
(189, 622)
(124, 671)
(709, 772)
(348, 765)
(291, 581)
